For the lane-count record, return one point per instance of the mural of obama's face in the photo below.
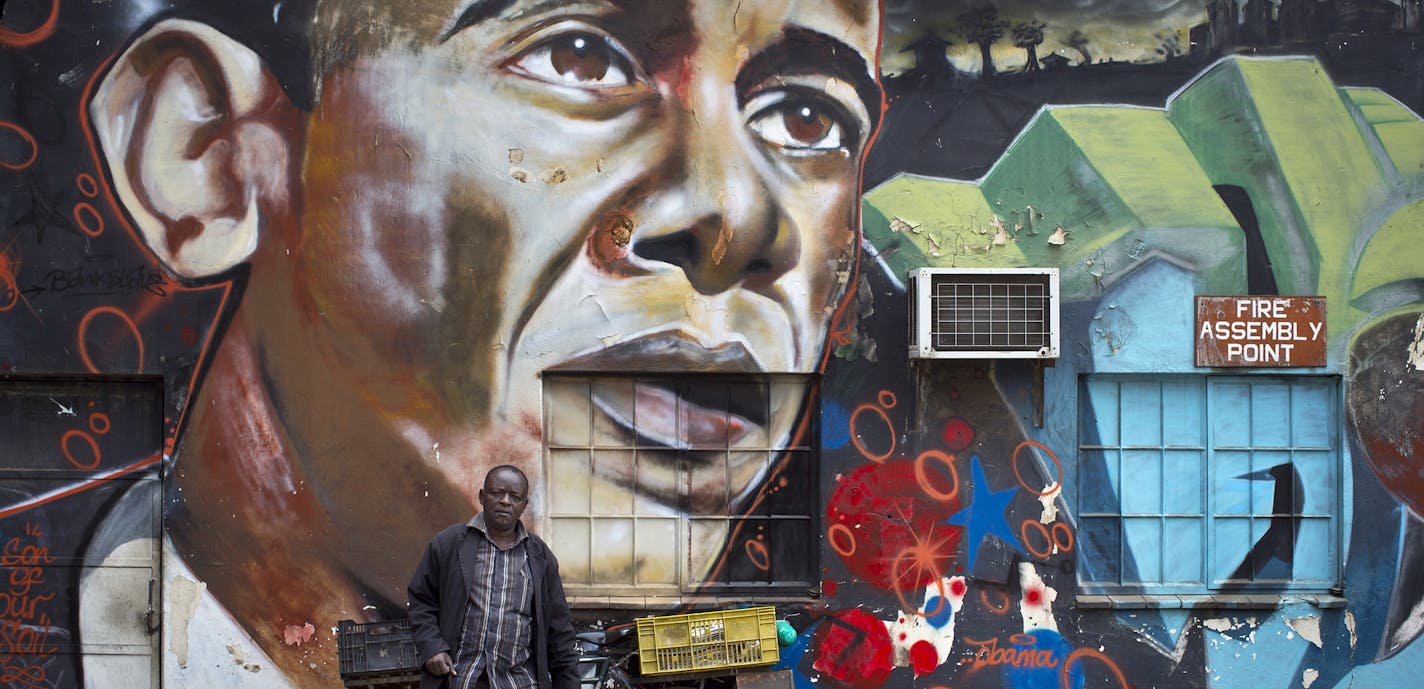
(485, 191)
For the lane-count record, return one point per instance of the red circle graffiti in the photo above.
(94, 423)
(1033, 597)
(756, 552)
(855, 437)
(29, 140)
(1056, 463)
(1065, 677)
(999, 609)
(1023, 532)
(87, 185)
(958, 588)
(843, 550)
(1065, 545)
(16, 39)
(69, 454)
(923, 657)
(94, 229)
(880, 511)
(958, 434)
(922, 474)
(887, 399)
(88, 321)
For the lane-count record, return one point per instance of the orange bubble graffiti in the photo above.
(69, 454)
(1065, 545)
(760, 558)
(1047, 549)
(93, 228)
(87, 185)
(88, 320)
(1065, 678)
(1047, 489)
(844, 532)
(96, 420)
(30, 140)
(886, 400)
(922, 474)
(16, 39)
(1000, 609)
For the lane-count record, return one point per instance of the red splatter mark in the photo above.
(854, 647)
(923, 658)
(903, 635)
(958, 434)
(889, 531)
(296, 636)
(829, 587)
(1033, 596)
(957, 588)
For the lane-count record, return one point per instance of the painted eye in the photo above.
(799, 125)
(580, 58)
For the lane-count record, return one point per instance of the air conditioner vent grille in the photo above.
(983, 313)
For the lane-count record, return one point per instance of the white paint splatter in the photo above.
(1050, 508)
(1308, 677)
(1415, 350)
(1308, 628)
(1038, 613)
(1350, 625)
(1218, 624)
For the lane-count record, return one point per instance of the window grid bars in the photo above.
(990, 315)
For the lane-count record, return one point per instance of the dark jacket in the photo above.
(439, 590)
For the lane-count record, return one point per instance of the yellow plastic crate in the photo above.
(715, 640)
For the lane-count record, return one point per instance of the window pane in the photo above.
(707, 538)
(569, 541)
(1142, 492)
(1270, 414)
(614, 469)
(1231, 485)
(1141, 414)
(1272, 484)
(1313, 422)
(702, 413)
(1182, 424)
(1182, 480)
(788, 394)
(658, 536)
(1184, 552)
(1144, 543)
(1313, 551)
(707, 482)
(613, 397)
(791, 490)
(788, 544)
(1099, 546)
(1098, 488)
(750, 404)
(1231, 541)
(1230, 414)
(1099, 417)
(660, 480)
(568, 411)
(1317, 478)
(613, 559)
(570, 493)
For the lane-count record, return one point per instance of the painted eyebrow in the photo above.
(476, 12)
(802, 52)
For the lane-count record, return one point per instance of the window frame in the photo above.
(803, 441)
(1207, 585)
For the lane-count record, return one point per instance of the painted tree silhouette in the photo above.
(1029, 35)
(983, 27)
(1079, 42)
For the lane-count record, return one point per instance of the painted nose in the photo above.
(712, 213)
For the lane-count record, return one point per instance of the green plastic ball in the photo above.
(785, 633)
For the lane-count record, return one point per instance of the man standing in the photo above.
(487, 607)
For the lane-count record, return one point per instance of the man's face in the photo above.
(503, 498)
(504, 188)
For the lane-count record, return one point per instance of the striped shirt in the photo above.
(499, 617)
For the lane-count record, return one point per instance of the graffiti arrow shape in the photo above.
(63, 410)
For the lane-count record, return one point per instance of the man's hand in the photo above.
(440, 664)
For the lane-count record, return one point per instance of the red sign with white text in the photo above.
(1260, 331)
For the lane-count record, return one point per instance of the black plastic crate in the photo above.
(375, 648)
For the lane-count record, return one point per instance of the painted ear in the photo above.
(197, 137)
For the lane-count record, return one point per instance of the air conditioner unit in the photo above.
(983, 313)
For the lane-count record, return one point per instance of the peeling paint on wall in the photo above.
(1416, 348)
(1307, 627)
(183, 597)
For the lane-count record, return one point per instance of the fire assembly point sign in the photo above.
(1260, 331)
